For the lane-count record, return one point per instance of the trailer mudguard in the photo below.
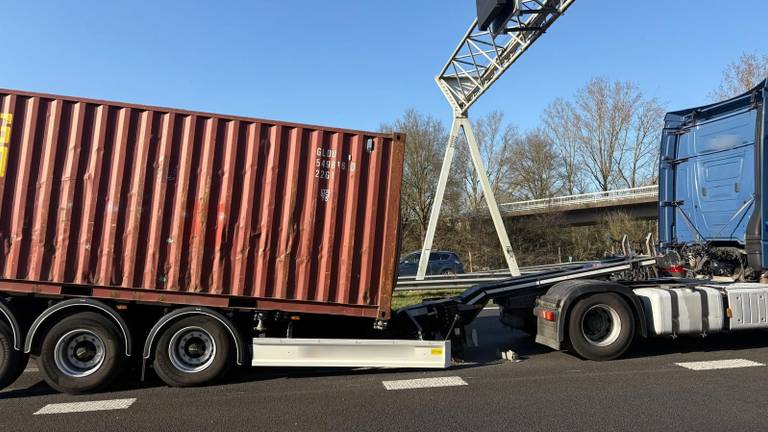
(7, 314)
(563, 295)
(80, 303)
(240, 347)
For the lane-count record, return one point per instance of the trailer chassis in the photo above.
(446, 318)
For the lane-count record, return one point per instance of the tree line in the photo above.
(604, 137)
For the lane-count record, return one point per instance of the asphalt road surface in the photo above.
(692, 384)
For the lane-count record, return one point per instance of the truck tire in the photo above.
(193, 351)
(12, 362)
(82, 353)
(601, 327)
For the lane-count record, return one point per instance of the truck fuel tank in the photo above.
(687, 310)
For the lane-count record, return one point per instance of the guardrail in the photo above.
(581, 199)
(466, 280)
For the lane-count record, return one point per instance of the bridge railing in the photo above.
(581, 199)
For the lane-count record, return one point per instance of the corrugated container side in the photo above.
(145, 203)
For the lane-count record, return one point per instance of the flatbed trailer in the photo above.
(596, 311)
(518, 299)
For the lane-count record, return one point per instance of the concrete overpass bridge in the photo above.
(589, 208)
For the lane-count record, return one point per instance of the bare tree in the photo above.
(606, 136)
(558, 125)
(425, 146)
(741, 75)
(495, 141)
(611, 130)
(639, 161)
(535, 166)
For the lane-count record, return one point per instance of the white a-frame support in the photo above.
(463, 124)
(478, 62)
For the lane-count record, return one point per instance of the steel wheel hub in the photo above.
(601, 325)
(192, 349)
(79, 353)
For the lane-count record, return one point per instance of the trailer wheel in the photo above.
(12, 362)
(82, 353)
(601, 327)
(193, 351)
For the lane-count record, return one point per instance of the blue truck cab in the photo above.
(712, 172)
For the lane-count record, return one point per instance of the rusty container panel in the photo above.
(144, 203)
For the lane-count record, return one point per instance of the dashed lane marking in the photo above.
(78, 407)
(451, 381)
(719, 364)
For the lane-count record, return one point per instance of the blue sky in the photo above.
(358, 63)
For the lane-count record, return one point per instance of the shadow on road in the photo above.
(39, 388)
(33, 385)
(737, 341)
(494, 338)
(491, 337)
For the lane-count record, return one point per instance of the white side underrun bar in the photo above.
(377, 353)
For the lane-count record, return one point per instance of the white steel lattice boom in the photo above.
(480, 59)
(478, 62)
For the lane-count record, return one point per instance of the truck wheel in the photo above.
(601, 327)
(12, 362)
(192, 351)
(82, 353)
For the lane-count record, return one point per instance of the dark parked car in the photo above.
(440, 263)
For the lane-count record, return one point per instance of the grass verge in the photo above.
(406, 298)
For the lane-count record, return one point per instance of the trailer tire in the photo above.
(12, 361)
(601, 327)
(82, 353)
(193, 351)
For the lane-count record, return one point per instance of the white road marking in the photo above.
(76, 407)
(719, 364)
(451, 381)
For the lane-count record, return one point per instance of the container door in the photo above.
(715, 179)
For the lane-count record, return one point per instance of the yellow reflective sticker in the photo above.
(3, 160)
(437, 351)
(6, 118)
(5, 135)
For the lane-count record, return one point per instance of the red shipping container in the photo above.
(130, 202)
